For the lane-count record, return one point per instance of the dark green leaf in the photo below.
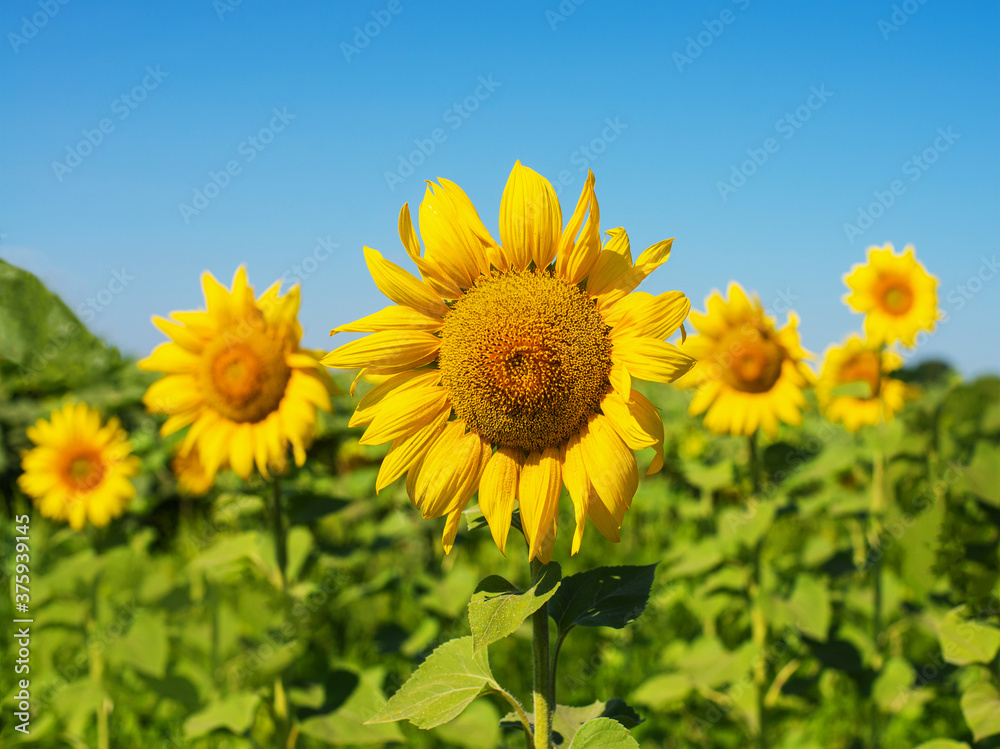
(602, 597)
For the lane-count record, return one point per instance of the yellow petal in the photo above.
(577, 255)
(396, 317)
(170, 358)
(577, 483)
(401, 287)
(455, 239)
(449, 469)
(407, 235)
(368, 406)
(498, 490)
(530, 218)
(403, 413)
(385, 349)
(655, 317)
(405, 452)
(538, 496)
(650, 359)
(610, 465)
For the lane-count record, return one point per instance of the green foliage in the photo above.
(173, 622)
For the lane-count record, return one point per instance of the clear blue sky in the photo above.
(846, 93)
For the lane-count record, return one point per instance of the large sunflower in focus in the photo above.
(80, 470)
(896, 294)
(854, 387)
(508, 367)
(236, 375)
(749, 374)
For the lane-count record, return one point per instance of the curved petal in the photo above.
(395, 317)
(388, 348)
(577, 255)
(408, 450)
(574, 474)
(653, 317)
(614, 277)
(538, 496)
(530, 218)
(449, 470)
(650, 359)
(610, 465)
(498, 490)
(403, 413)
(401, 287)
(455, 239)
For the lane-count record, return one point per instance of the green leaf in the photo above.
(146, 647)
(943, 744)
(602, 597)
(497, 608)
(965, 642)
(603, 733)
(477, 727)
(662, 690)
(36, 327)
(234, 713)
(893, 685)
(441, 688)
(300, 543)
(345, 725)
(981, 708)
(982, 476)
(809, 607)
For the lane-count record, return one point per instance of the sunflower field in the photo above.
(530, 506)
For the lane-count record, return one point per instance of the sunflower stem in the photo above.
(875, 554)
(281, 717)
(544, 691)
(758, 622)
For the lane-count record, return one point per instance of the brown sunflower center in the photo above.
(84, 471)
(244, 377)
(754, 357)
(896, 295)
(525, 357)
(863, 367)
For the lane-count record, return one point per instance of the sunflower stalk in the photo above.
(543, 689)
(278, 528)
(877, 511)
(758, 622)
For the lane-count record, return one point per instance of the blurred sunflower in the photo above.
(192, 478)
(236, 375)
(80, 470)
(854, 387)
(896, 294)
(526, 346)
(749, 374)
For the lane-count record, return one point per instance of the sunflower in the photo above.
(80, 470)
(507, 369)
(896, 294)
(749, 374)
(854, 387)
(236, 375)
(192, 478)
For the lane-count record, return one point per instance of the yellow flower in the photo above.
(854, 387)
(191, 475)
(80, 470)
(236, 375)
(896, 294)
(749, 374)
(526, 347)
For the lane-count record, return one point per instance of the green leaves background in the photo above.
(179, 597)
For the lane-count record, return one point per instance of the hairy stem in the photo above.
(542, 687)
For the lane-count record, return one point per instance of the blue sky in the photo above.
(311, 126)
